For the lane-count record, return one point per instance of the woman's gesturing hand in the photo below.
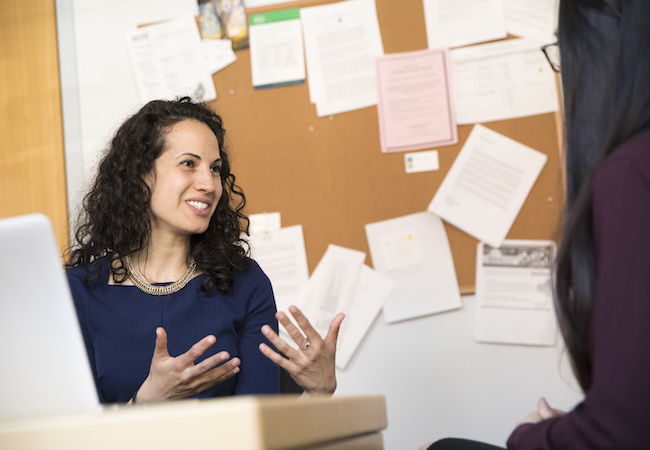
(312, 365)
(544, 411)
(176, 378)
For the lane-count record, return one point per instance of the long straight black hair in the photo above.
(605, 56)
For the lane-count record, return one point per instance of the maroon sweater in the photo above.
(616, 411)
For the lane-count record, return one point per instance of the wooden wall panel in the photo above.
(32, 170)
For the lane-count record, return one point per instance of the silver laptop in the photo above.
(44, 368)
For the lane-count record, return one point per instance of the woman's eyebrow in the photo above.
(188, 154)
(194, 155)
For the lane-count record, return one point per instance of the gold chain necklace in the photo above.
(159, 290)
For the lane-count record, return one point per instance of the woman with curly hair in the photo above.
(159, 268)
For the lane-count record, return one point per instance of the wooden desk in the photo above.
(274, 422)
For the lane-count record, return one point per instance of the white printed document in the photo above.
(281, 255)
(454, 23)
(502, 80)
(331, 288)
(370, 294)
(416, 107)
(277, 57)
(217, 54)
(414, 252)
(487, 185)
(341, 43)
(514, 293)
(533, 19)
(168, 62)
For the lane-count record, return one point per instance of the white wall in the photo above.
(437, 380)
(98, 87)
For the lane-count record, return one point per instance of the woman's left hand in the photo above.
(544, 411)
(312, 365)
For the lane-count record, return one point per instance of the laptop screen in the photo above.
(45, 367)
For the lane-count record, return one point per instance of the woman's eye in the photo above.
(216, 169)
(187, 163)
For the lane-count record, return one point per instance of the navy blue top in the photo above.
(119, 328)
(616, 411)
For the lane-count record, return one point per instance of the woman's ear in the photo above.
(149, 180)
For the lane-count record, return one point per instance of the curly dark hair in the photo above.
(115, 217)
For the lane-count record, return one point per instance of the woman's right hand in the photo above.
(312, 366)
(177, 378)
(544, 411)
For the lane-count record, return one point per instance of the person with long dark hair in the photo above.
(602, 280)
(159, 268)
(603, 267)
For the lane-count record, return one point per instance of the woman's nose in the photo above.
(206, 180)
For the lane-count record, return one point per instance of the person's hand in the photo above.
(533, 417)
(544, 411)
(176, 378)
(312, 365)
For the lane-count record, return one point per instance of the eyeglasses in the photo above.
(552, 52)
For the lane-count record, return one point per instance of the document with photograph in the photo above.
(415, 104)
(487, 185)
(455, 23)
(414, 252)
(341, 42)
(502, 80)
(277, 57)
(514, 299)
(167, 60)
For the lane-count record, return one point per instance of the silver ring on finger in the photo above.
(304, 347)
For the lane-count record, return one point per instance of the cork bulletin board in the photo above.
(329, 175)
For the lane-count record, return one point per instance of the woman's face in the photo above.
(185, 182)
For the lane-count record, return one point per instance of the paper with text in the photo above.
(264, 222)
(427, 286)
(341, 43)
(487, 185)
(330, 289)
(514, 299)
(415, 102)
(168, 62)
(502, 80)
(281, 255)
(217, 54)
(276, 51)
(454, 23)
(534, 19)
(401, 250)
(370, 293)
